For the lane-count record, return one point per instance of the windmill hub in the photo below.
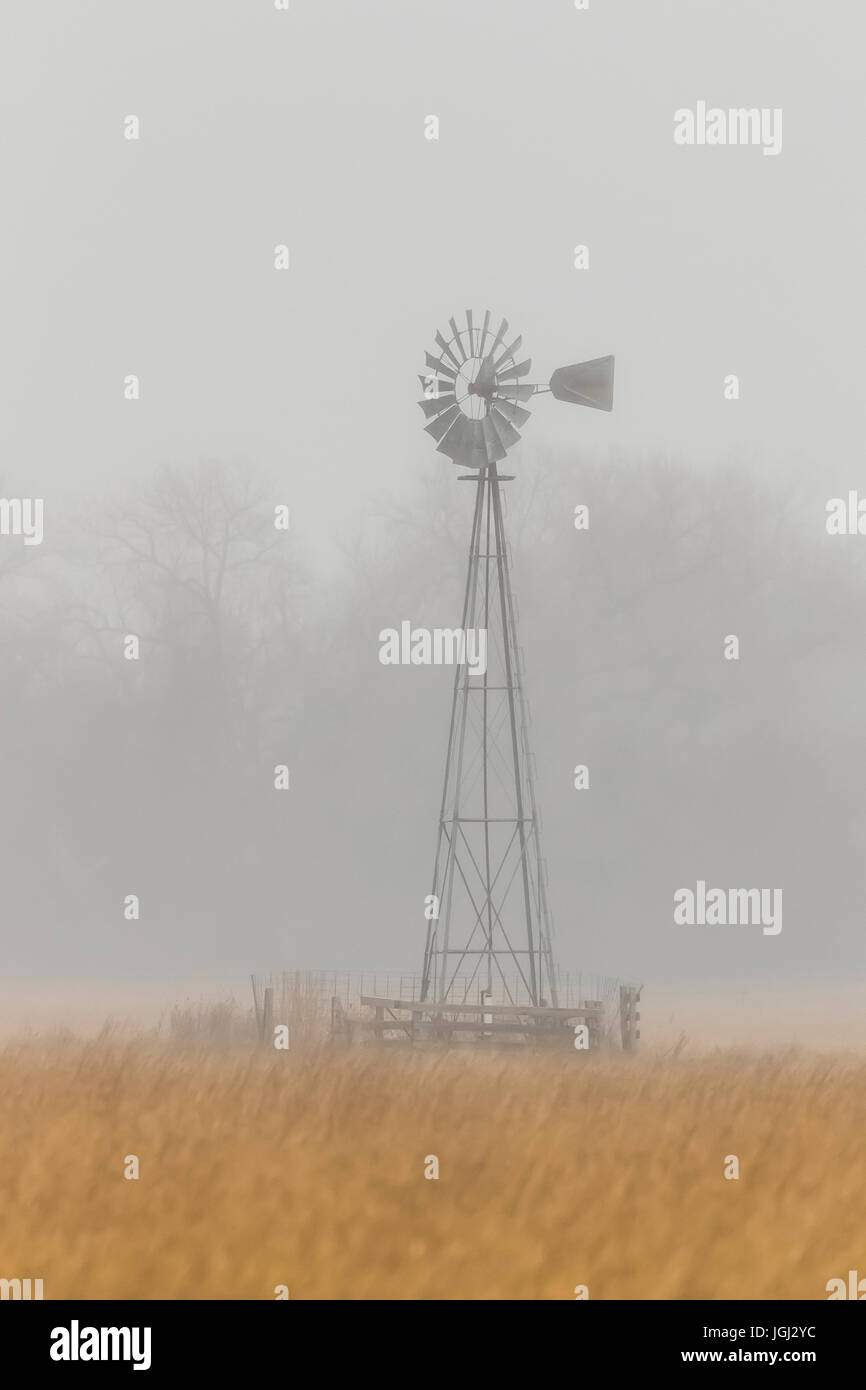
(479, 387)
(472, 390)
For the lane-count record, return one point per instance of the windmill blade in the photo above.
(514, 393)
(520, 370)
(500, 336)
(471, 332)
(486, 377)
(443, 422)
(484, 331)
(437, 365)
(493, 444)
(514, 413)
(479, 443)
(585, 383)
(457, 339)
(477, 459)
(458, 441)
(509, 351)
(505, 431)
(446, 351)
(474, 452)
(434, 405)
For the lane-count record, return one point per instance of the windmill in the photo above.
(491, 937)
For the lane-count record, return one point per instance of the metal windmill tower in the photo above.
(492, 936)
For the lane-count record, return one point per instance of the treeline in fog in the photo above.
(155, 776)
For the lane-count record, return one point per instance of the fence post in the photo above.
(256, 1007)
(594, 1022)
(629, 997)
(268, 1017)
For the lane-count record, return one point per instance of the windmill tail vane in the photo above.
(586, 383)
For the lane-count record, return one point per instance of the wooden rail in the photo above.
(504, 1011)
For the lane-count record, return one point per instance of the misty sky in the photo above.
(260, 127)
(307, 128)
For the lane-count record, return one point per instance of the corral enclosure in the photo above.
(309, 1002)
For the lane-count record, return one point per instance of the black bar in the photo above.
(256, 1339)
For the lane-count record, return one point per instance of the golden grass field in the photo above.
(307, 1169)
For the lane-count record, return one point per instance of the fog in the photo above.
(259, 389)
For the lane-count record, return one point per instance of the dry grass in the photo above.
(307, 1170)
